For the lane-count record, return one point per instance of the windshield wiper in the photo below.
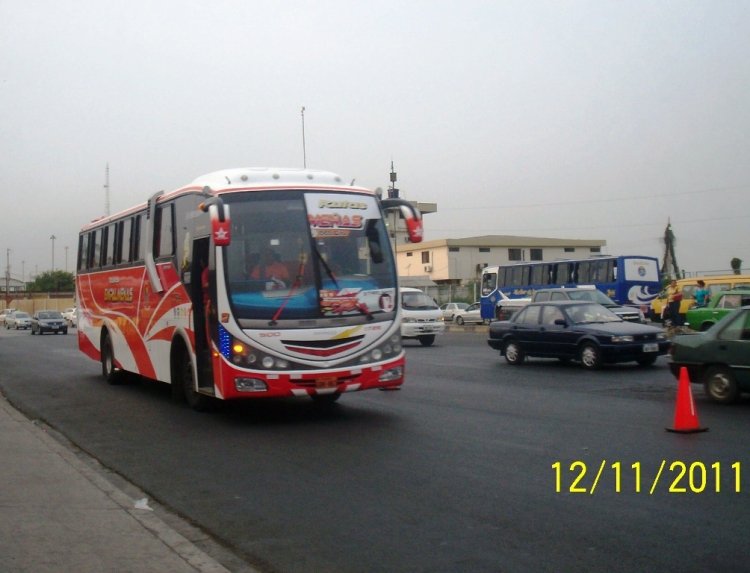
(329, 272)
(295, 285)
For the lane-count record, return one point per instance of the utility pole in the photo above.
(106, 193)
(7, 276)
(52, 238)
(304, 151)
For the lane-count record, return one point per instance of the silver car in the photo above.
(471, 313)
(450, 308)
(18, 319)
(5, 313)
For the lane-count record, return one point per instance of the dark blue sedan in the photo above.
(576, 330)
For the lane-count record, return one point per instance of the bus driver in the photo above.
(271, 269)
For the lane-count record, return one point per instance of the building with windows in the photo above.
(460, 261)
(9, 285)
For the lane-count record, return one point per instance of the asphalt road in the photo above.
(455, 472)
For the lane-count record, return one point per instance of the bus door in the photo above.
(203, 297)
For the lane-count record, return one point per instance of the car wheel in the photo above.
(513, 353)
(426, 340)
(721, 385)
(591, 357)
(459, 320)
(646, 361)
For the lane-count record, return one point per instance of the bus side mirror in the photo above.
(220, 222)
(411, 214)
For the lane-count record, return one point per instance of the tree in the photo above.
(53, 281)
(736, 265)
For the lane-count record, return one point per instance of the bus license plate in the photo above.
(651, 347)
(326, 382)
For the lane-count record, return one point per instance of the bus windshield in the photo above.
(311, 256)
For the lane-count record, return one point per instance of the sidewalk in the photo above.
(59, 514)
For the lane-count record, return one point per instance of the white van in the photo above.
(421, 318)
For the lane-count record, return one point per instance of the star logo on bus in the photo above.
(221, 234)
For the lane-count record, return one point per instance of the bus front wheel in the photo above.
(109, 370)
(186, 382)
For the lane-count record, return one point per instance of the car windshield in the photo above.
(590, 313)
(593, 295)
(49, 315)
(20, 315)
(417, 301)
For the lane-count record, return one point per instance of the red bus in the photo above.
(247, 283)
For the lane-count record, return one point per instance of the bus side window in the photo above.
(83, 248)
(501, 280)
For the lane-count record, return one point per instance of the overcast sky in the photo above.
(586, 120)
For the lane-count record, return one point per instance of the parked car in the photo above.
(718, 358)
(421, 318)
(576, 330)
(4, 313)
(506, 307)
(69, 314)
(449, 309)
(591, 294)
(48, 321)
(722, 303)
(715, 284)
(472, 313)
(17, 319)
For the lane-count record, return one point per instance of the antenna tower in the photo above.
(106, 191)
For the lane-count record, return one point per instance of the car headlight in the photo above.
(661, 336)
(623, 338)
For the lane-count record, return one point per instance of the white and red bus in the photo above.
(247, 283)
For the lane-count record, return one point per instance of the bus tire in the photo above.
(185, 381)
(109, 370)
(427, 339)
(324, 399)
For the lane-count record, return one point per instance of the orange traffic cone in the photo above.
(685, 416)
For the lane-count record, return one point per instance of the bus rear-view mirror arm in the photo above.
(219, 215)
(411, 215)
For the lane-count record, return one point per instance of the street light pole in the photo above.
(304, 151)
(52, 238)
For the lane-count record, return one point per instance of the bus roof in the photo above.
(242, 178)
(266, 176)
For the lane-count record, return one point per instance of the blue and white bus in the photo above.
(628, 280)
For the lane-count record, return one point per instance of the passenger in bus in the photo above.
(270, 268)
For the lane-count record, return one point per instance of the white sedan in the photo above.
(471, 313)
(450, 308)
